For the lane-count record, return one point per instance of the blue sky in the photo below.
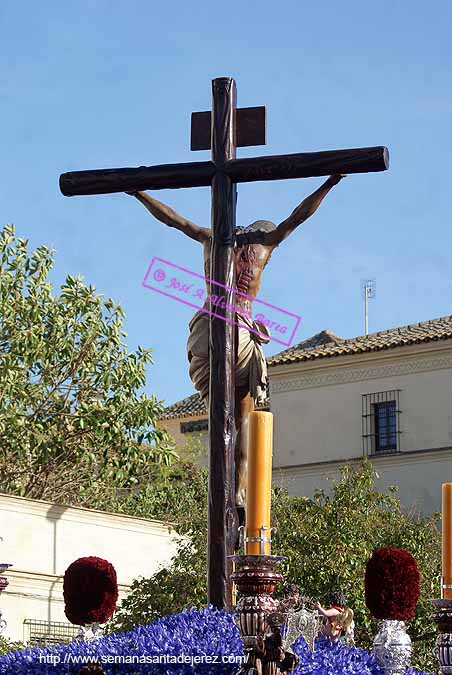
(94, 84)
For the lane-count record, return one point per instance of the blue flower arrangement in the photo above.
(337, 659)
(194, 642)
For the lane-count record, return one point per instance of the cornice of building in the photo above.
(366, 366)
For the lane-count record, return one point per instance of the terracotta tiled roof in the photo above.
(326, 344)
(192, 405)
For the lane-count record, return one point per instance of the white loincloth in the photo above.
(251, 369)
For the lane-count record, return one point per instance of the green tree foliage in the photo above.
(177, 495)
(72, 420)
(327, 541)
(9, 646)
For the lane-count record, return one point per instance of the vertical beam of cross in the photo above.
(222, 511)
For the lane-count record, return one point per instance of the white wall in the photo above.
(418, 476)
(41, 540)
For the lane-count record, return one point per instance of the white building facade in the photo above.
(386, 396)
(41, 540)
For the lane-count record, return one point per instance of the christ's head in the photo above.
(254, 233)
(257, 226)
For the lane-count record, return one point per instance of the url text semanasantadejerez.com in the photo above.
(167, 659)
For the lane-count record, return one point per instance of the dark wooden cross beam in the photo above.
(222, 130)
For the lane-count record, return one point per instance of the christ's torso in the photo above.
(249, 263)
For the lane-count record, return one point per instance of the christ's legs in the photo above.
(250, 386)
(244, 404)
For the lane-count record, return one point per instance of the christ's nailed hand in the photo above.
(336, 178)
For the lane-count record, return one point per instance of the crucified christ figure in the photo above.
(253, 249)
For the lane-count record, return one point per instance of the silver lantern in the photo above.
(392, 647)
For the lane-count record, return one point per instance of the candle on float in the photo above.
(259, 481)
(447, 540)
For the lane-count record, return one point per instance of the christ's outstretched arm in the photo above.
(171, 218)
(303, 211)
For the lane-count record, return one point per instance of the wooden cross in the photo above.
(222, 130)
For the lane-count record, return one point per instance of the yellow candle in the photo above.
(447, 539)
(258, 493)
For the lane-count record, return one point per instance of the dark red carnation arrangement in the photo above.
(90, 591)
(392, 584)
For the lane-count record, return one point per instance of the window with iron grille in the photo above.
(46, 633)
(381, 422)
(195, 425)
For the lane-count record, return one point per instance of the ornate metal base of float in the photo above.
(3, 585)
(92, 669)
(256, 579)
(392, 647)
(443, 619)
(92, 631)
